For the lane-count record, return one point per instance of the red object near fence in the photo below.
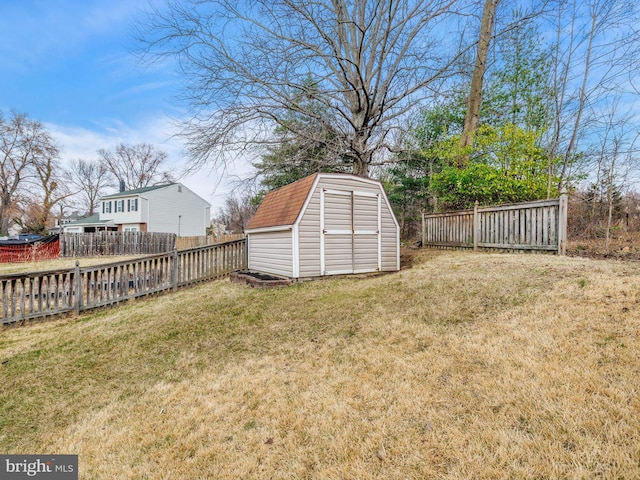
(30, 252)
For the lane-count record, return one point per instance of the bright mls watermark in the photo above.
(49, 467)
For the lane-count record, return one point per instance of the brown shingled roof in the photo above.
(282, 206)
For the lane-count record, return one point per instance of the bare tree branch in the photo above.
(137, 165)
(373, 62)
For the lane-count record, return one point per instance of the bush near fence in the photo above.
(42, 294)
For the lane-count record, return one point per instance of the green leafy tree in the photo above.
(409, 178)
(507, 165)
(506, 161)
(518, 90)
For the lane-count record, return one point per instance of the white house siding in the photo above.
(126, 217)
(174, 211)
(271, 252)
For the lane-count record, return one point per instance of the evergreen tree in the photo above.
(304, 144)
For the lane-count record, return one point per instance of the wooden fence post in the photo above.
(476, 226)
(78, 289)
(563, 208)
(423, 231)
(174, 271)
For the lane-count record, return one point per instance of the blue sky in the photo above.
(71, 65)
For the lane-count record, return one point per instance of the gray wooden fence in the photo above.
(539, 225)
(115, 243)
(42, 294)
(185, 243)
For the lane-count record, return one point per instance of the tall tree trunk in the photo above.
(5, 206)
(472, 118)
(361, 154)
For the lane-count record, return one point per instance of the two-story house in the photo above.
(169, 208)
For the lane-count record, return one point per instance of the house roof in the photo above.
(137, 191)
(90, 220)
(282, 206)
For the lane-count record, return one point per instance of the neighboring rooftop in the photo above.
(90, 220)
(137, 191)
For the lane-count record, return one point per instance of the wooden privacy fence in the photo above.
(184, 243)
(115, 243)
(42, 294)
(539, 225)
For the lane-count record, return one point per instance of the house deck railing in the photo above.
(42, 294)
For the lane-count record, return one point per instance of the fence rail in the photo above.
(43, 294)
(539, 225)
(115, 243)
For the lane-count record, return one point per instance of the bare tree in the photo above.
(237, 212)
(595, 51)
(48, 189)
(137, 165)
(89, 180)
(372, 63)
(23, 144)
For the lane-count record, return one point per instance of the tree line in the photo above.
(447, 102)
(35, 186)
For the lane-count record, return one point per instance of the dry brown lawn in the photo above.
(464, 366)
(61, 263)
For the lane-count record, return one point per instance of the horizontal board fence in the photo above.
(539, 225)
(115, 243)
(42, 294)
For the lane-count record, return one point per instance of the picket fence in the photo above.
(540, 225)
(35, 295)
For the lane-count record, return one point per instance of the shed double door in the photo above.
(350, 232)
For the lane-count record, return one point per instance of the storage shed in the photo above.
(324, 224)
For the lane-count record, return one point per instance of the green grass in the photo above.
(464, 366)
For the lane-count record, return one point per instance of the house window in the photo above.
(106, 207)
(130, 229)
(132, 205)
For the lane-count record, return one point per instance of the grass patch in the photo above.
(463, 366)
(61, 263)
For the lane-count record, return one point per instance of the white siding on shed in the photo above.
(271, 252)
(345, 225)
